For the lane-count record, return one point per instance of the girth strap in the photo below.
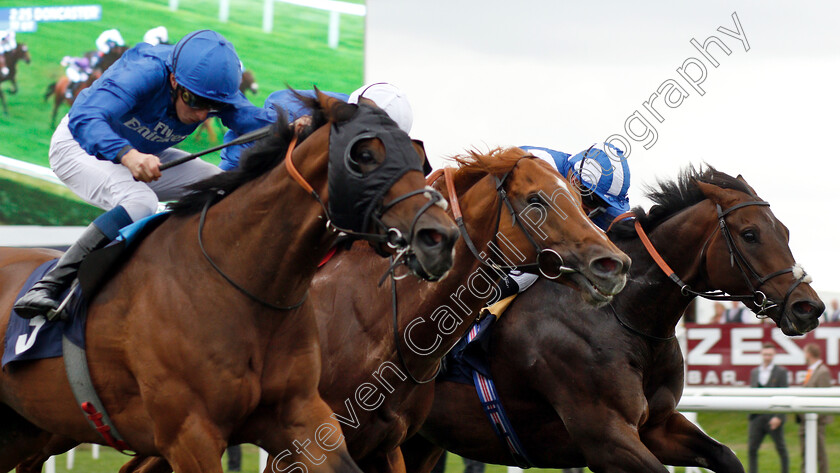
(76, 366)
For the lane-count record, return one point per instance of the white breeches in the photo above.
(106, 184)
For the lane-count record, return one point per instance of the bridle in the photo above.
(757, 298)
(392, 237)
(535, 267)
(482, 257)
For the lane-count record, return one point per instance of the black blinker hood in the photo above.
(353, 197)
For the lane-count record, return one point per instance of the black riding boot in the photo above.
(43, 296)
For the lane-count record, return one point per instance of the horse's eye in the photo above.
(749, 236)
(365, 157)
(535, 199)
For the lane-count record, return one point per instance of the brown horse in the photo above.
(599, 388)
(375, 366)
(431, 318)
(249, 83)
(182, 361)
(58, 89)
(10, 60)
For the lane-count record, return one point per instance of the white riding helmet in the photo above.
(155, 36)
(389, 98)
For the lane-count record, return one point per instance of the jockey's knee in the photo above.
(140, 205)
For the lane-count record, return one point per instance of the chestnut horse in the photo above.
(378, 360)
(10, 60)
(213, 345)
(599, 388)
(58, 90)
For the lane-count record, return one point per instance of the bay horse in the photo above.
(380, 348)
(183, 360)
(599, 388)
(10, 60)
(58, 89)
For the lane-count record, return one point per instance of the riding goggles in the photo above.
(197, 102)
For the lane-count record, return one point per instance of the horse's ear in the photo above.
(424, 159)
(744, 181)
(338, 111)
(716, 194)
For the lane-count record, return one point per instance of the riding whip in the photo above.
(246, 138)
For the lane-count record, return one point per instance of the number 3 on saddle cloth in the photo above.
(468, 363)
(37, 338)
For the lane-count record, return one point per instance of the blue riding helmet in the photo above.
(604, 174)
(603, 170)
(206, 64)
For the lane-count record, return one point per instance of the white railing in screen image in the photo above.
(336, 8)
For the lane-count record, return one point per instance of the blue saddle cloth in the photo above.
(34, 339)
(470, 355)
(37, 338)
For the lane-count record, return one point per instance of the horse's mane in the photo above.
(474, 165)
(265, 155)
(671, 197)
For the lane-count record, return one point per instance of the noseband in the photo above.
(757, 298)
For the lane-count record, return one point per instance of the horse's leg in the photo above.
(306, 434)
(59, 99)
(609, 441)
(3, 101)
(141, 464)
(191, 443)
(679, 442)
(19, 438)
(14, 88)
(419, 454)
(384, 462)
(56, 446)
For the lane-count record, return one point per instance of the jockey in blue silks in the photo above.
(603, 177)
(109, 148)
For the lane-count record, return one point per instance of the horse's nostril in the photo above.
(429, 237)
(606, 266)
(805, 308)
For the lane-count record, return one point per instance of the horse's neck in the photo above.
(272, 227)
(651, 300)
(458, 299)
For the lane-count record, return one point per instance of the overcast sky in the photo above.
(565, 74)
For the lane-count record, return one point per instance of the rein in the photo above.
(397, 343)
(227, 278)
(758, 298)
